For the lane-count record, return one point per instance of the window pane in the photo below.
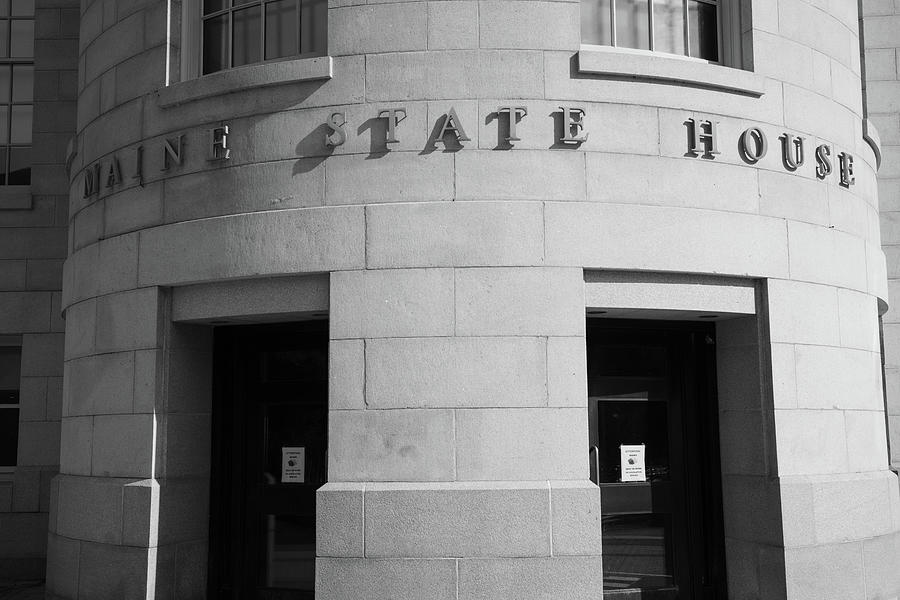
(668, 26)
(4, 124)
(20, 166)
(21, 124)
(632, 25)
(245, 36)
(23, 8)
(704, 30)
(211, 6)
(9, 436)
(281, 29)
(22, 32)
(4, 8)
(23, 83)
(215, 44)
(314, 27)
(3, 152)
(595, 27)
(240, 2)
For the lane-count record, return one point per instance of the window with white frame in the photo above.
(241, 32)
(10, 367)
(692, 28)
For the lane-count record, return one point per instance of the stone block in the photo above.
(33, 399)
(133, 208)
(188, 444)
(526, 444)
(42, 355)
(570, 577)
(122, 446)
(288, 241)
(858, 387)
(128, 320)
(392, 303)
(823, 255)
(346, 374)
(744, 453)
(759, 492)
(190, 574)
(457, 519)
(38, 443)
(81, 323)
(391, 445)
(519, 301)
(44, 274)
(577, 517)
(803, 313)
(26, 489)
(141, 513)
(852, 507)
(146, 364)
(676, 182)
(62, 558)
(375, 28)
(128, 563)
(114, 45)
(810, 442)
(13, 274)
(664, 239)
(809, 111)
(519, 174)
(458, 234)
(452, 25)
(101, 384)
(24, 535)
(522, 24)
(270, 296)
(393, 177)
(118, 263)
(114, 130)
(438, 75)
(566, 371)
(880, 566)
(792, 197)
(455, 372)
(90, 508)
(881, 31)
(867, 440)
(75, 445)
(183, 510)
(404, 579)
(339, 520)
(277, 185)
(825, 572)
(6, 494)
(784, 376)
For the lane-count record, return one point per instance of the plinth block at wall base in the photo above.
(545, 578)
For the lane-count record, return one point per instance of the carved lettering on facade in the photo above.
(513, 113)
(792, 152)
(754, 145)
(846, 163)
(172, 152)
(219, 149)
(703, 133)
(452, 125)
(824, 168)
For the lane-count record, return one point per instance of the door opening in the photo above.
(653, 426)
(269, 456)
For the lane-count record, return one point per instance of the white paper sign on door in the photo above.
(633, 468)
(293, 465)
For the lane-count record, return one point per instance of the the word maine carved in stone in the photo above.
(702, 141)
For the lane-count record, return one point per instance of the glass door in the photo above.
(270, 440)
(653, 432)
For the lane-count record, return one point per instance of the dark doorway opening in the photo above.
(653, 426)
(270, 416)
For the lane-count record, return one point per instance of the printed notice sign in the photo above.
(293, 465)
(633, 468)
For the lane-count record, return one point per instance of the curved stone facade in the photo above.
(456, 267)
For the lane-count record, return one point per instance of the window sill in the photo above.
(15, 197)
(241, 78)
(642, 65)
